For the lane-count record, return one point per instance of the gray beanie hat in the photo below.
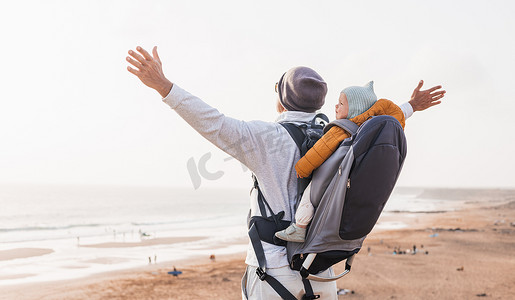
(302, 89)
(360, 98)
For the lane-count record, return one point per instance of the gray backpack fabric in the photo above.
(349, 191)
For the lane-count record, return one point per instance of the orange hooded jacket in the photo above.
(330, 141)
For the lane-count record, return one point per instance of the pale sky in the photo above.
(71, 113)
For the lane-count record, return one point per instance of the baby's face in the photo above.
(342, 108)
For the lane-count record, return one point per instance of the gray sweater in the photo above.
(265, 148)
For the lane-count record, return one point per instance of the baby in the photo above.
(357, 104)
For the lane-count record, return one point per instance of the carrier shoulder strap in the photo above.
(298, 135)
(262, 201)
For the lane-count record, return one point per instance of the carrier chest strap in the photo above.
(262, 202)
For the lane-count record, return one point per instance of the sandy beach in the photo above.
(462, 254)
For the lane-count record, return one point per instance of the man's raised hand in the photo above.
(149, 70)
(421, 100)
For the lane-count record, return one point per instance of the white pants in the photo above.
(305, 211)
(254, 289)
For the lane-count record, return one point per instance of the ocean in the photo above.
(64, 232)
(68, 220)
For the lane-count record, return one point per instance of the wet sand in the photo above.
(470, 255)
(146, 242)
(23, 253)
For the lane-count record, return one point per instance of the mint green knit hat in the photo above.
(360, 98)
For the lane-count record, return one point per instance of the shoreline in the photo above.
(469, 255)
(188, 250)
(67, 289)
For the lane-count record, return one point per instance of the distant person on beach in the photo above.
(266, 148)
(358, 104)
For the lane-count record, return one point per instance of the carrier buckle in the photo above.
(261, 273)
(306, 297)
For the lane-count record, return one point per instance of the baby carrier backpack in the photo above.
(348, 191)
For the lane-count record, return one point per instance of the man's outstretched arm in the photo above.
(242, 140)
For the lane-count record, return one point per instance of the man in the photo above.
(266, 149)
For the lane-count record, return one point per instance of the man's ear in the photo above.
(279, 107)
